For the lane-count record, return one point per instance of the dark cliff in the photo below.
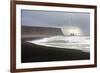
(27, 31)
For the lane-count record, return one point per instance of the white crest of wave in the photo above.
(68, 42)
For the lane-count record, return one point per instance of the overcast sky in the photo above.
(56, 19)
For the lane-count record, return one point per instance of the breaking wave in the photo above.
(68, 42)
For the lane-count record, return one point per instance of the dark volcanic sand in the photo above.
(35, 53)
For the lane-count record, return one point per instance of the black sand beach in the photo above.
(35, 53)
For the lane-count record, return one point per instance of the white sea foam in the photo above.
(68, 42)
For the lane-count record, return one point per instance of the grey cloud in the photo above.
(56, 19)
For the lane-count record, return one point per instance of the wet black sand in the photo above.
(36, 53)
